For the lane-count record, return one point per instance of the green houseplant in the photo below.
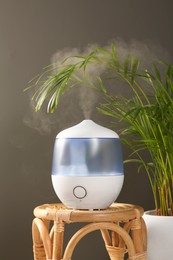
(145, 116)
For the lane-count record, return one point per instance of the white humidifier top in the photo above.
(87, 129)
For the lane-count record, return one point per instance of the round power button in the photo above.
(79, 192)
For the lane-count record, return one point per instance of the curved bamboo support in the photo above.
(102, 226)
(42, 244)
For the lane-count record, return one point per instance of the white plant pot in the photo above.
(159, 236)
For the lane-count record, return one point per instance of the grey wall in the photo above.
(30, 33)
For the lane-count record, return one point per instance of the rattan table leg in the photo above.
(42, 245)
(144, 234)
(115, 252)
(115, 239)
(137, 237)
(58, 240)
(106, 237)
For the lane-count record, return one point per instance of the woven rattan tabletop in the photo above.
(116, 212)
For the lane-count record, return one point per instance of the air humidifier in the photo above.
(87, 167)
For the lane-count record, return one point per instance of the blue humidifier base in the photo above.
(85, 192)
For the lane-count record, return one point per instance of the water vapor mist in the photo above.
(81, 102)
(40, 122)
(87, 98)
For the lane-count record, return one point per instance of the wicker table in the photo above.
(121, 226)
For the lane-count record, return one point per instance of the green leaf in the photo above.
(135, 66)
(103, 89)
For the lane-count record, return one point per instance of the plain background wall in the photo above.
(30, 33)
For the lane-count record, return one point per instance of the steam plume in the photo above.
(81, 102)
